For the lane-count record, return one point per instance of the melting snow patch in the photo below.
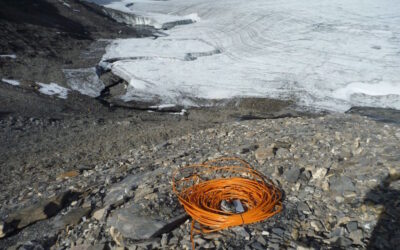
(10, 81)
(183, 112)
(9, 56)
(163, 106)
(53, 89)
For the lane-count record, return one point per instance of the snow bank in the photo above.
(53, 89)
(10, 81)
(325, 54)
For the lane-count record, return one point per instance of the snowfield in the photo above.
(321, 53)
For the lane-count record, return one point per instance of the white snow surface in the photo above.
(53, 89)
(322, 53)
(163, 106)
(10, 81)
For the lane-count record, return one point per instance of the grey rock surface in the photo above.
(137, 227)
(334, 197)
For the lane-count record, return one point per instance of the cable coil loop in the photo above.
(201, 188)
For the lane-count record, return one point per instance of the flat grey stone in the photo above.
(278, 231)
(139, 227)
(352, 226)
(337, 232)
(119, 191)
(292, 174)
(340, 184)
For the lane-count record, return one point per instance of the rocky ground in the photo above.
(339, 175)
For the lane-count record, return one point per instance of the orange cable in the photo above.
(206, 185)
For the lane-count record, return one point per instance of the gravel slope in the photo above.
(339, 174)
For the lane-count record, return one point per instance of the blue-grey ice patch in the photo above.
(85, 81)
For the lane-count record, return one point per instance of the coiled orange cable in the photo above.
(202, 187)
